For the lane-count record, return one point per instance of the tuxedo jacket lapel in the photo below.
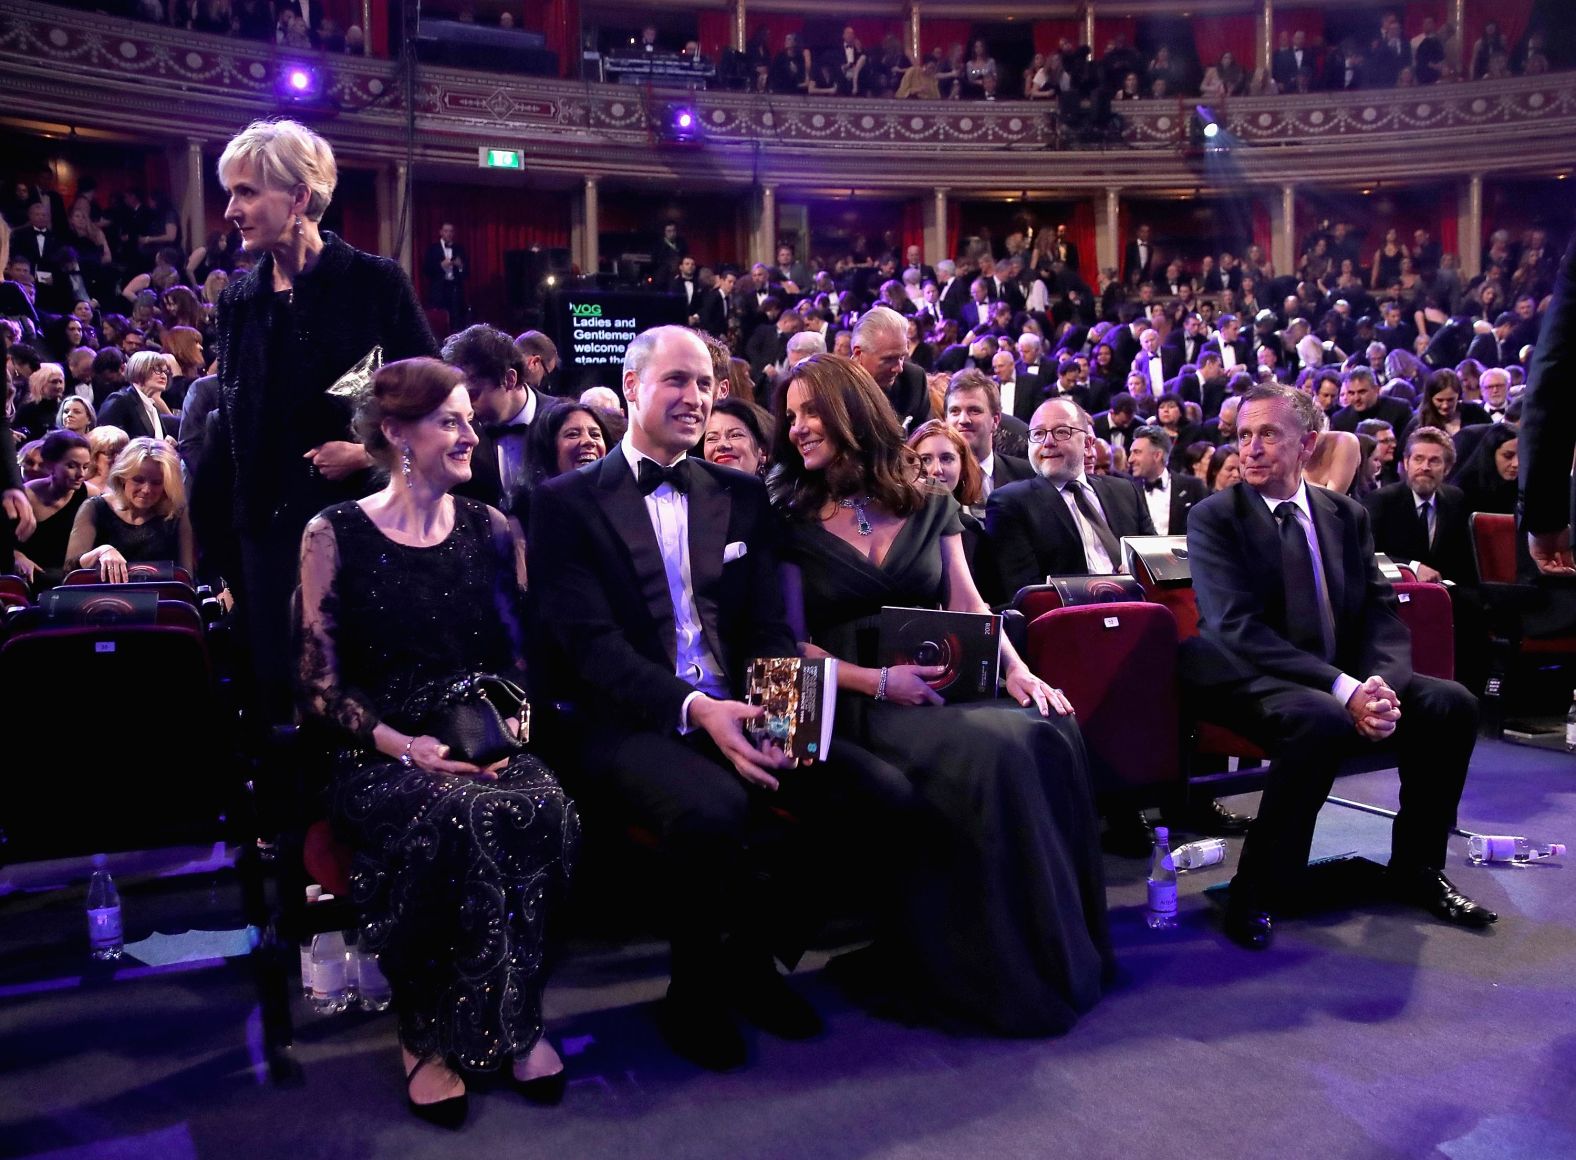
(625, 509)
(710, 506)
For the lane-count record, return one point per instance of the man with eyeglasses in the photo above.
(1302, 651)
(1061, 522)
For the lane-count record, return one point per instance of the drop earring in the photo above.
(299, 227)
(404, 463)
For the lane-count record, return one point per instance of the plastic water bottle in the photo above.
(1197, 855)
(373, 992)
(314, 893)
(1483, 848)
(330, 973)
(1570, 726)
(1162, 910)
(106, 937)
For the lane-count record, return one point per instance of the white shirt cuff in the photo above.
(1342, 690)
(684, 721)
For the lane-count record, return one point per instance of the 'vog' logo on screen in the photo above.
(585, 309)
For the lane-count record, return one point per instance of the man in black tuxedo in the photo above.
(1234, 349)
(711, 310)
(1061, 522)
(1139, 263)
(656, 584)
(1064, 249)
(974, 410)
(667, 253)
(1493, 347)
(446, 269)
(1422, 520)
(505, 405)
(1034, 374)
(1183, 345)
(880, 345)
(977, 312)
(685, 284)
(1365, 402)
(913, 259)
(1117, 424)
(1168, 495)
(1293, 613)
(1291, 58)
(952, 291)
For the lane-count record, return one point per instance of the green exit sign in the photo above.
(501, 158)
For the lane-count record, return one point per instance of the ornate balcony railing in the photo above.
(77, 68)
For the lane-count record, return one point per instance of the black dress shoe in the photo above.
(1127, 835)
(1250, 929)
(764, 998)
(449, 1113)
(1214, 820)
(698, 1028)
(1435, 893)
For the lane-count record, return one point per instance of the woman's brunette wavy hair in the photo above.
(869, 456)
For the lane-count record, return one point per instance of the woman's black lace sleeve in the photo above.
(317, 674)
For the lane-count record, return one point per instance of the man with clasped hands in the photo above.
(1303, 652)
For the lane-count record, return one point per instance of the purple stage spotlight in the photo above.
(298, 82)
(683, 123)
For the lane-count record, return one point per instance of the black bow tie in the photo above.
(1154, 484)
(650, 476)
(496, 431)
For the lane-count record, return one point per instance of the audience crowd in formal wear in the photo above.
(827, 438)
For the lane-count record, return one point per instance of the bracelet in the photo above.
(405, 758)
(881, 683)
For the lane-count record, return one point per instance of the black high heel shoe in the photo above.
(545, 1090)
(449, 1113)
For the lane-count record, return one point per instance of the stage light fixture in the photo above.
(682, 123)
(1211, 131)
(297, 82)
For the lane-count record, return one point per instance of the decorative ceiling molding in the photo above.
(145, 80)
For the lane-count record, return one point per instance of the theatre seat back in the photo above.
(1426, 610)
(1494, 546)
(116, 739)
(1117, 664)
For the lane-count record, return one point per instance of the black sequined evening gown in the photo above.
(455, 878)
(1002, 891)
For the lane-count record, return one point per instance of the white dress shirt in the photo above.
(1098, 559)
(1157, 374)
(511, 446)
(1159, 503)
(448, 256)
(1009, 395)
(153, 414)
(987, 476)
(1228, 354)
(694, 664)
(1344, 685)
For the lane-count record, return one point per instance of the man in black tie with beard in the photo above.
(505, 405)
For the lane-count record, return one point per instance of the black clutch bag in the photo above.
(470, 715)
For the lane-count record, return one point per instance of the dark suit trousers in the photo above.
(738, 870)
(1307, 733)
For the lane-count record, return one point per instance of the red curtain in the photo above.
(1214, 35)
(1108, 28)
(1263, 229)
(377, 37)
(355, 201)
(1080, 227)
(1308, 21)
(912, 231)
(560, 23)
(944, 34)
(1448, 233)
(1048, 34)
(487, 223)
(715, 32)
